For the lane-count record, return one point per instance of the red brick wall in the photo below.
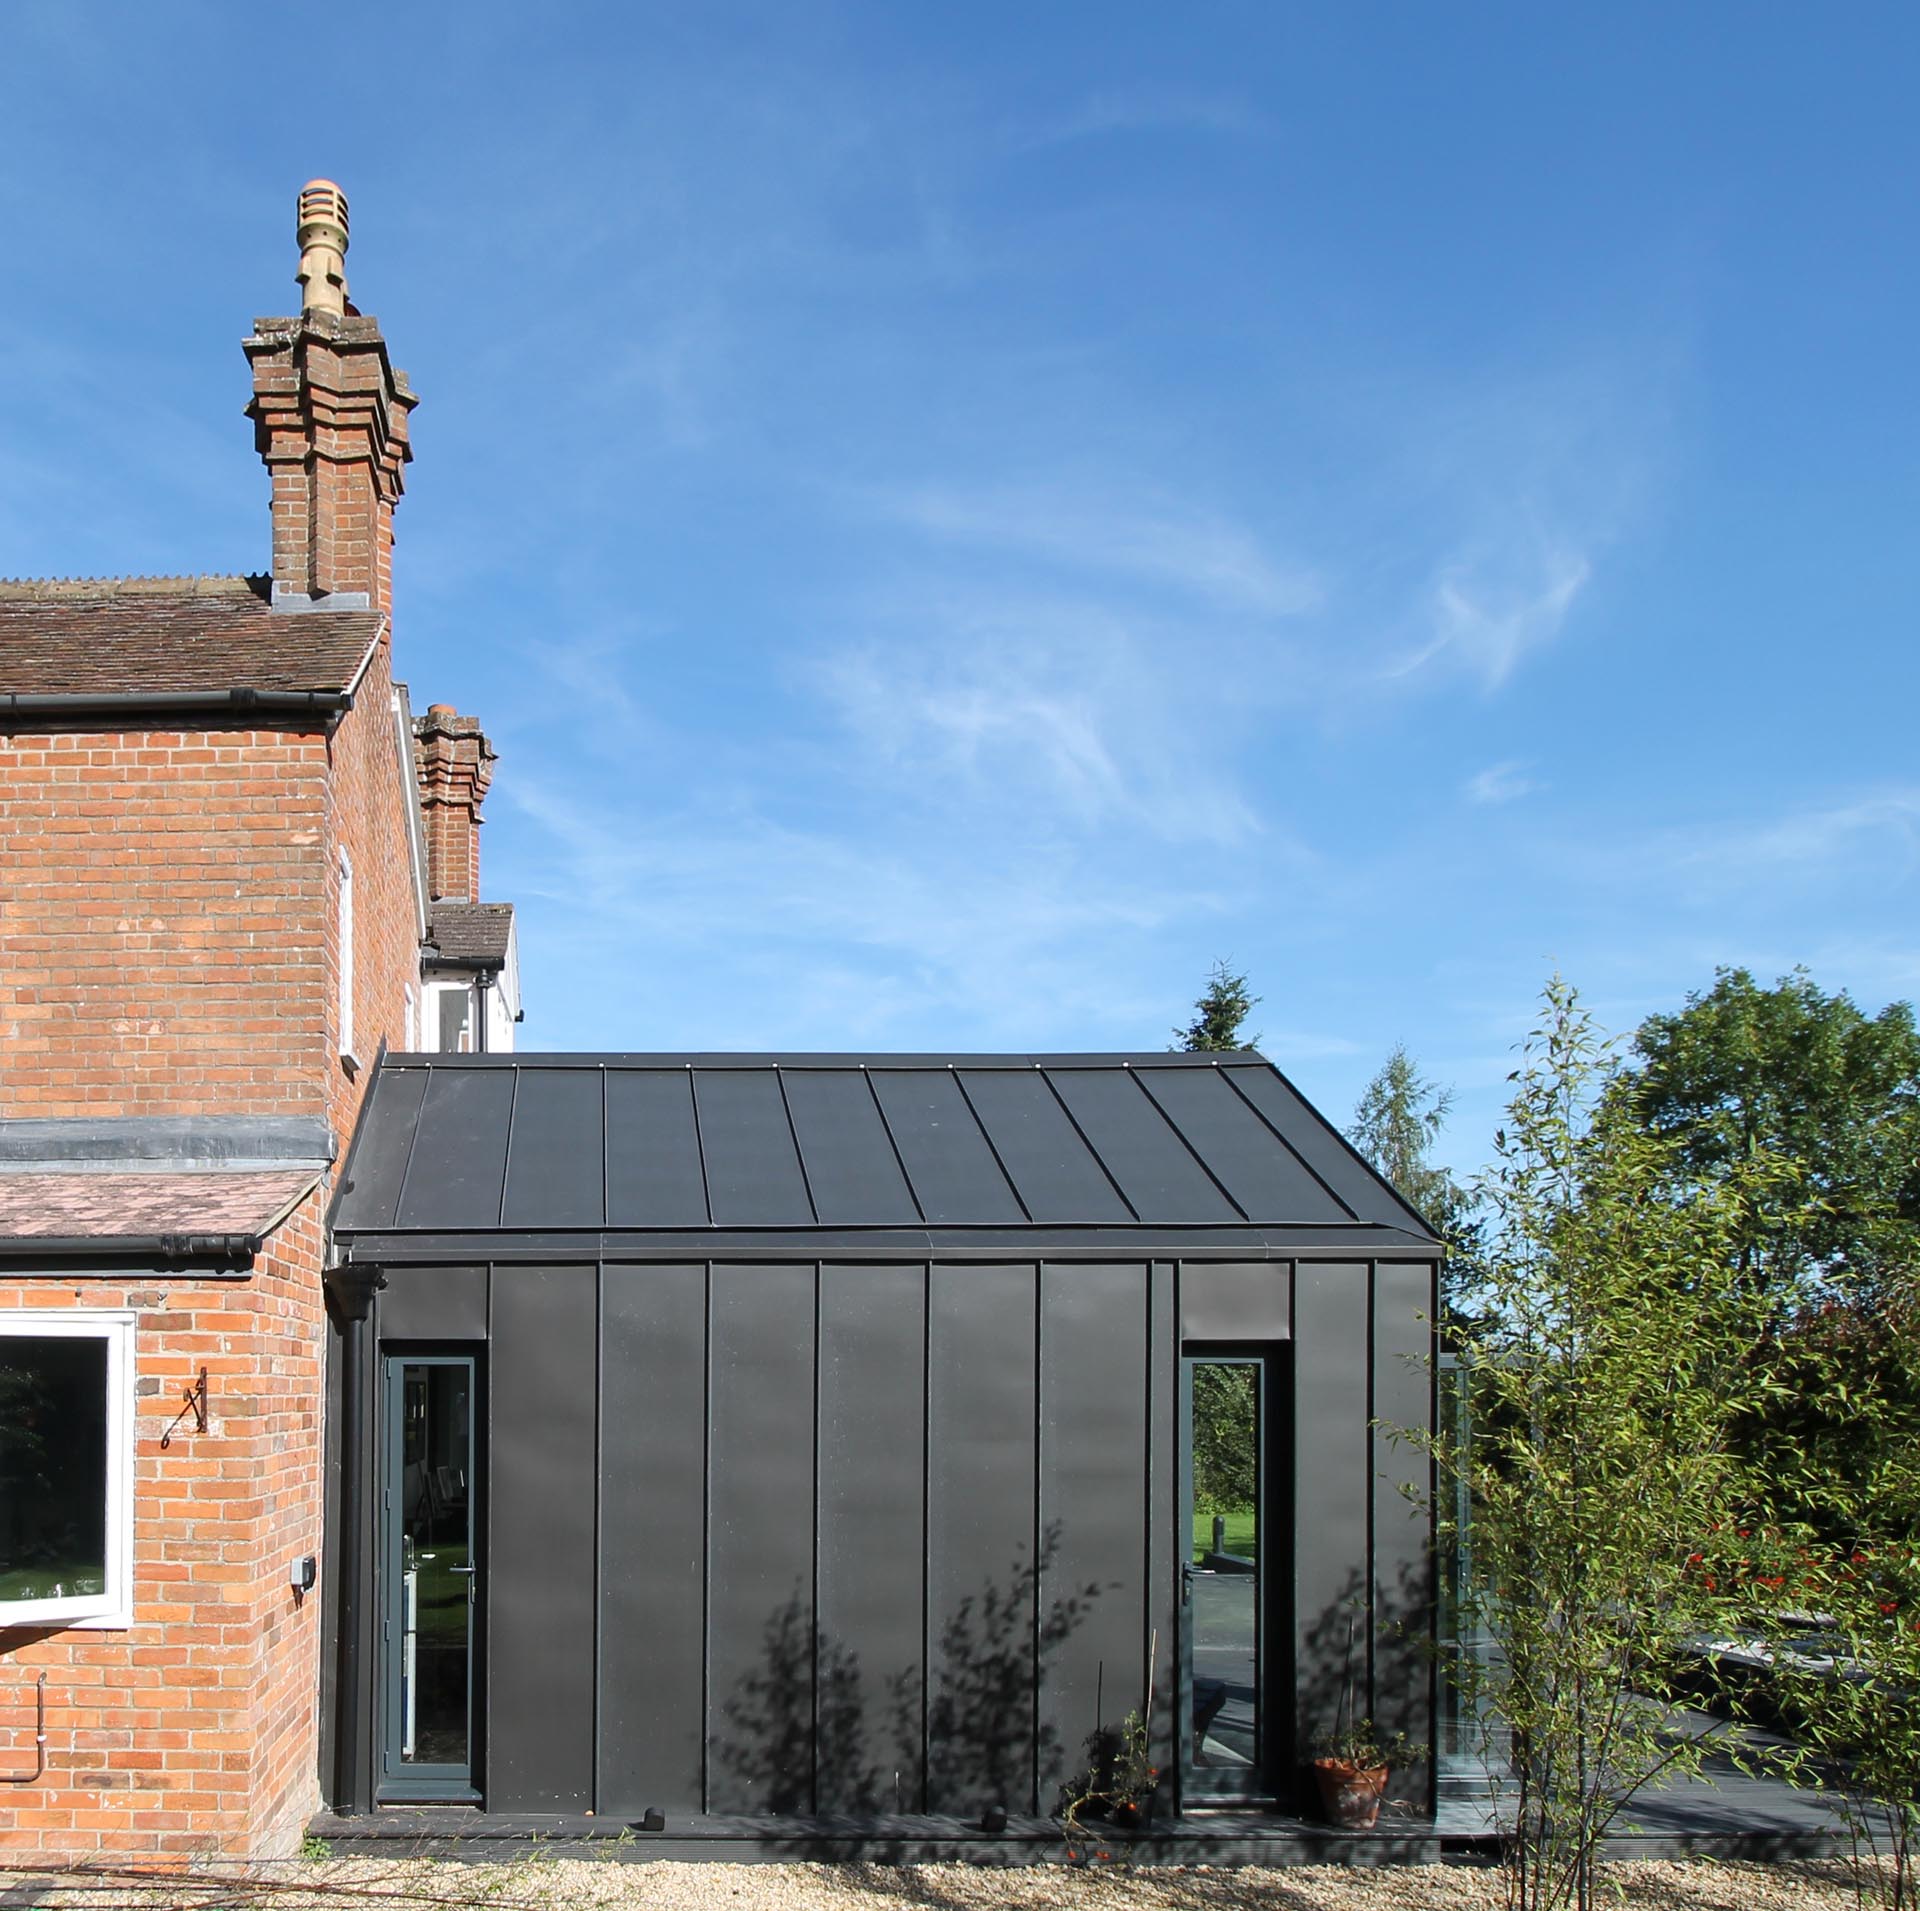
(164, 897)
(369, 795)
(168, 916)
(193, 1732)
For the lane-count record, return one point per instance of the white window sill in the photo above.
(12, 1618)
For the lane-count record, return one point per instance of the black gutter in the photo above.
(171, 1249)
(69, 702)
(375, 1247)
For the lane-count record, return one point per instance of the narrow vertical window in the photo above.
(346, 955)
(411, 1030)
(456, 1021)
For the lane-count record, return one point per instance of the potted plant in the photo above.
(1352, 1769)
(1353, 1762)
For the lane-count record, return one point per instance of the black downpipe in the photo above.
(352, 1290)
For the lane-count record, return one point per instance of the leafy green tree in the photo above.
(1808, 1079)
(1219, 1011)
(1811, 1079)
(1225, 1430)
(1608, 1373)
(1854, 1698)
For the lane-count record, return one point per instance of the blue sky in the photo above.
(957, 516)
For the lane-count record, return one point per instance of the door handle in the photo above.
(460, 1569)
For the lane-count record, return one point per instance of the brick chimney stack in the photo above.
(455, 763)
(330, 419)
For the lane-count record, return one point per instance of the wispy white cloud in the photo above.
(1115, 533)
(1141, 109)
(1055, 711)
(1500, 783)
(1488, 611)
(774, 931)
(1881, 829)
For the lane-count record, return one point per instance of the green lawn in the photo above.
(1242, 1534)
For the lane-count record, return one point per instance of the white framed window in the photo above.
(453, 1028)
(66, 1467)
(412, 1019)
(346, 955)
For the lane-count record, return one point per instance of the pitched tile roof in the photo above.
(109, 1207)
(475, 932)
(139, 636)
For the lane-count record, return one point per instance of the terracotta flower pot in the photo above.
(1350, 1794)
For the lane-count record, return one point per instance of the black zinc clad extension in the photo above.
(826, 1428)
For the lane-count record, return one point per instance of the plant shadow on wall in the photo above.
(812, 1729)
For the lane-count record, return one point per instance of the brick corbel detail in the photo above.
(330, 422)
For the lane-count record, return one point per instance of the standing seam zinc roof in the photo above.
(475, 1144)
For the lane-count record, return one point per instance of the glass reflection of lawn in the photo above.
(1243, 1534)
(441, 1593)
(66, 1577)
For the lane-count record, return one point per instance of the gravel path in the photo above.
(557, 1884)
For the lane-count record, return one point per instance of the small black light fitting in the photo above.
(994, 1820)
(653, 1819)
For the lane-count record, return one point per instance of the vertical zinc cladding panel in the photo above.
(654, 1176)
(872, 1554)
(852, 1170)
(1402, 1397)
(1093, 1436)
(540, 1563)
(556, 1155)
(1163, 1508)
(954, 1174)
(1267, 1180)
(1058, 1177)
(1156, 1170)
(460, 1150)
(981, 1571)
(1332, 1496)
(754, 1177)
(653, 1511)
(383, 1145)
(760, 1722)
(433, 1303)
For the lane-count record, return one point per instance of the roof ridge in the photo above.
(191, 584)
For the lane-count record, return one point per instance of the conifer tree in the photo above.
(1219, 1010)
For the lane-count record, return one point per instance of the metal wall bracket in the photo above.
(195, 1403)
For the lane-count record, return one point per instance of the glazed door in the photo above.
(430, 1574)
(1223, 1729)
